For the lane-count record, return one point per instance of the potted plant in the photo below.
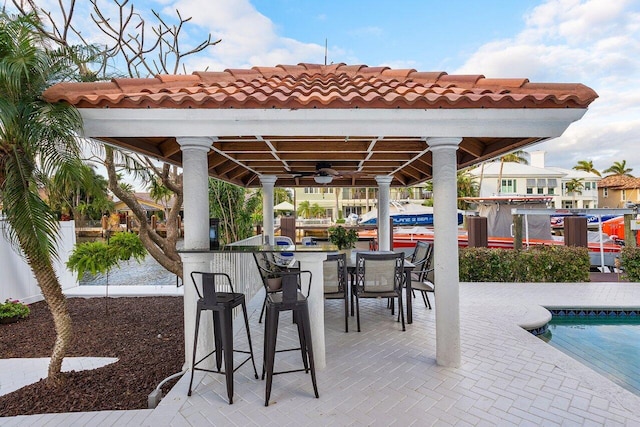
(274, 280)
(12, 311)
(343, 238)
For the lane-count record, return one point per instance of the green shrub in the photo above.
(630, 262)
(99, 257)
(13, 308)
(536, 264)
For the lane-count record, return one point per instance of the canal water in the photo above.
(128, 273)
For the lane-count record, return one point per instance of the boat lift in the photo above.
(629, 215)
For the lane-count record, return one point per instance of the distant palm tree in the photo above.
(619, 168)
(304, 209)
(161, 194)
(515, 157)
(586, 166)
(317, 211)
(467, 187)
(573, 187)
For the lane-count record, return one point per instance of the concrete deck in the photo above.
(384, 376)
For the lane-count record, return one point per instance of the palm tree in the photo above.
(304, 209)
(586, 166)
(317, 211)
(619, 168)
(573, 187)
(36, 140)
(515, 157)
(161, 194)
(467, 187)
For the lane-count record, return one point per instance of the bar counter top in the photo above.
(265, 248)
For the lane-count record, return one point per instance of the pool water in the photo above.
(611, 347)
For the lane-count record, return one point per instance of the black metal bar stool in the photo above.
(290, 299)
(221, 305)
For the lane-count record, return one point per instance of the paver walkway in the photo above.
(384, 376)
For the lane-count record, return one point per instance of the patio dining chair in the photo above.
(379, 275)
(424, 281)
(335, 282)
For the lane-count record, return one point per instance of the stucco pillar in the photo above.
(445, 218)
(268, 182)
(312, 261)
(196, 235)
(384, 232)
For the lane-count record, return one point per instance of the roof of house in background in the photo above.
(311, 89)
(619, 182)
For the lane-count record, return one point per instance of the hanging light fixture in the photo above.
(323, 179)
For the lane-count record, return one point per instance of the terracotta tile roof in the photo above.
(321, 86)
(357, 156)
(619, 182)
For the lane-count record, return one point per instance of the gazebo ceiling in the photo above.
(354, 122)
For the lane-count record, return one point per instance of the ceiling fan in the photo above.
(323, 174)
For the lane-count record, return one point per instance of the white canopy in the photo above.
(284, 206)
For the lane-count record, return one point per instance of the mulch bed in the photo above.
(145, 333)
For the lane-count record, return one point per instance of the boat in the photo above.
(405, 214)
(603, 250)
(405, 238)
(557, 221)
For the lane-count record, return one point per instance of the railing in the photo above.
(241, 267)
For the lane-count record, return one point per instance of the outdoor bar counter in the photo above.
(310, 258)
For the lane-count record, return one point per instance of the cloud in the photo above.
(595, 42)
(248, 37)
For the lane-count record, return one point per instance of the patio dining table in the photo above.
(408, 268)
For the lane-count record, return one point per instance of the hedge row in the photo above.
(630, 258)
(536, 264)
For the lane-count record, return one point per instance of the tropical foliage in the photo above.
(467, 187)
(619, 168)
(574, 186)
(99, 257)
(343, 238)
(37, 140)
(235, 208)
(586, 166)
(83, 198)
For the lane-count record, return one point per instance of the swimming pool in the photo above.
(608, 341)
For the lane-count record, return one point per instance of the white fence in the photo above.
(17, 280)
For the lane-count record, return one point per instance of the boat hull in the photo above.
(407, 240)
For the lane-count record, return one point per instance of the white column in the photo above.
(196, 234)
(312, 261)
(384, 232)
(268, 182)
(445, 219)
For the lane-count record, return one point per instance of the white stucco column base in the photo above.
(384, 231)
(312, 261)
(268, 182)
(196, 235)
(445, 218)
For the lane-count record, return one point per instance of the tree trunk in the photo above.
(161, 249)
(52, 292)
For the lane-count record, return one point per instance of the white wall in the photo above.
(17, 280)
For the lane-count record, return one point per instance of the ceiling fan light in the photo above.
(323, 179)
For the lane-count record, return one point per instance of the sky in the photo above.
(594, 42)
